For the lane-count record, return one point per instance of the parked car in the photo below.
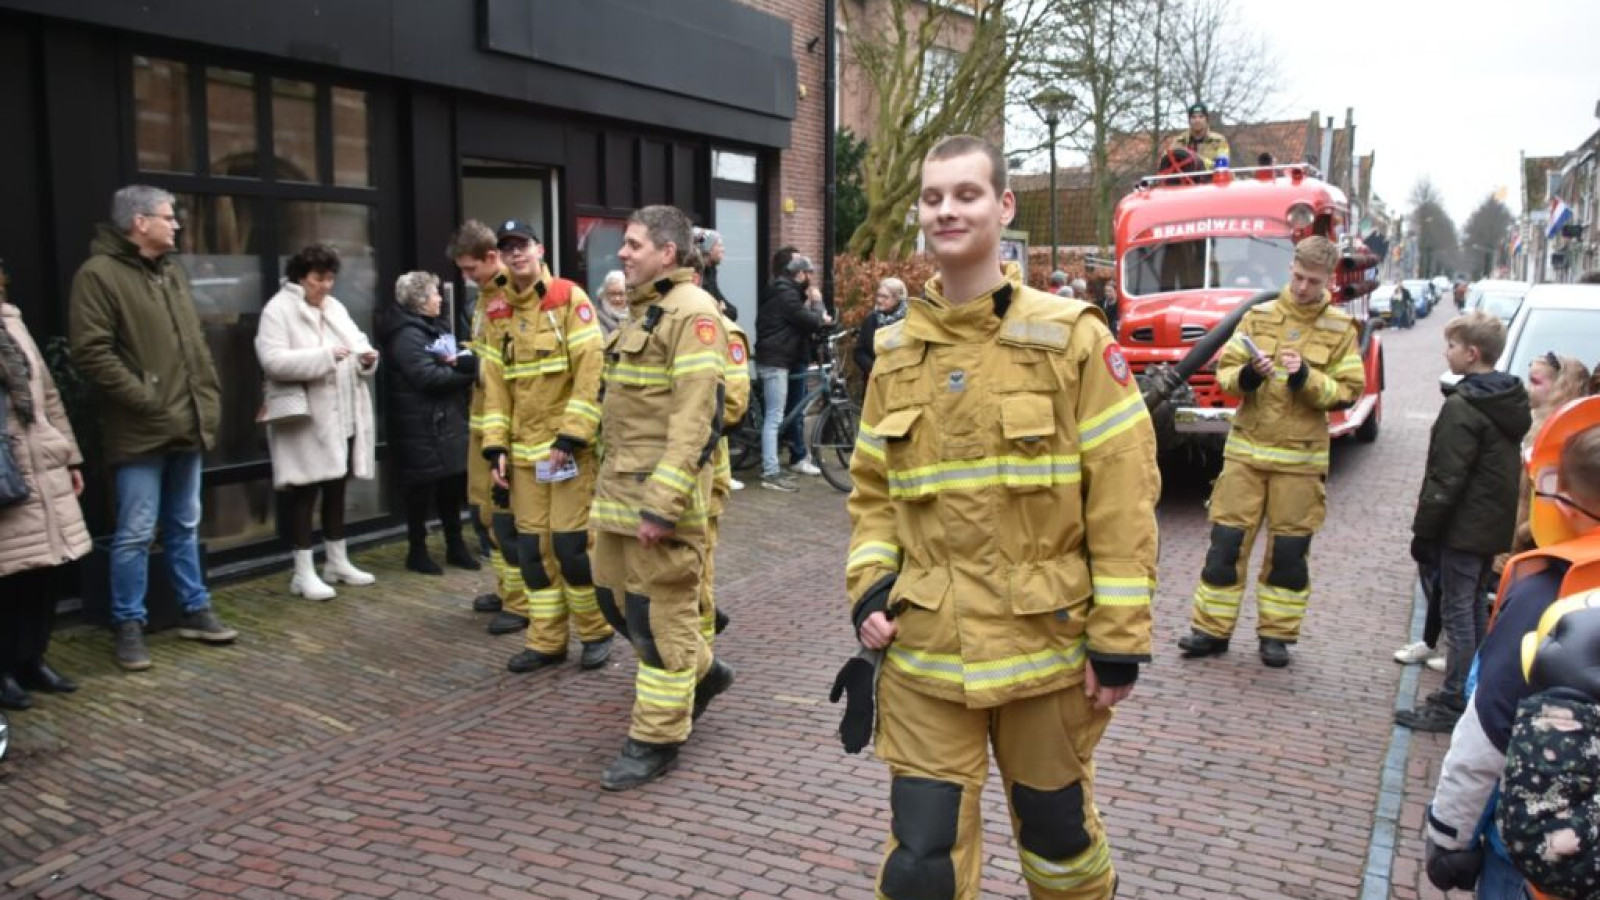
(1501, 298)
(1422, 294)
(1441, 288)
(1554, 318)
(1392, 304)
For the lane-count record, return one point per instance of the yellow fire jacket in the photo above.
(1282, 425)
(735, 402)
(547, 381)
(663, 409)
(1005, 473)
(485, 344)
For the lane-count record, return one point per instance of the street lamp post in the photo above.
(1051, 104)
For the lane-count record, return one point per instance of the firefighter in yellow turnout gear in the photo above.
(541, 419)
(474, 251)
(1002, 555)
(1291, 361)
(662, 414)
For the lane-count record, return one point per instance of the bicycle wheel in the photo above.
(833, 439)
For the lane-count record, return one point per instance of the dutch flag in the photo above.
(1560, 214)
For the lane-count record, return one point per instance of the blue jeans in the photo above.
(1499, 880)
(793, 436)
(157, 493)
(774, 394)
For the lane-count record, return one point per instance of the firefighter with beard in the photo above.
(662, 419)
(1292, 361)
(542, 415)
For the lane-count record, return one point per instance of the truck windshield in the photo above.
(1247, 263)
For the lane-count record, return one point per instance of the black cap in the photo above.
(515, 228)
(1199, 109)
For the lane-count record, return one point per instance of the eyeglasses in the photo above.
(1566, 501)
(516, 248)
(169, 218)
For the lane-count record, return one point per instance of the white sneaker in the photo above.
(735, 484)
(305, 581)
(805, 467)
(1436, 663)
(1411, 654)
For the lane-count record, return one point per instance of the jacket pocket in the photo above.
(910, 478)
(923, 588)
(1028, 422)
(634, 458)
(1061, 585)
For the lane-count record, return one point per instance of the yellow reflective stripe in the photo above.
(546, 604)
(1116, 591)
(1220, 602)
(621, 515)
(699, 361)
(971, 474)
(1330, 390)
(1110, 422)
(583, 336)
(583, 409)
(664, 687)
(673, 477)
(581, 599)
(636, 375)
(1351, 363)
(1090, 865)
(874, 553)
(736, 372)
(530, 452)
(548, 366)
(480, 422)
(991, 674)
(486, 352)
(1282, 601)
(870, 444)
(1261, 453)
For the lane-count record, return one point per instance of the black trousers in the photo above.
(27, 613)
(444, 498)
(303, 502)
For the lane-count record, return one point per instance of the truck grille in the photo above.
(1143, 335)
(1192, 333)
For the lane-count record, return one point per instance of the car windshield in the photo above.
(1249, 263)
(1566, 332)
(1501, 306)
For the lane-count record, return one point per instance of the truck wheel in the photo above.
(1368, 432)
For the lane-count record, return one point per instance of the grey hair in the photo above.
(136, 200)
(896, 287)
(667, 225)
(411, 290)
(614, 275)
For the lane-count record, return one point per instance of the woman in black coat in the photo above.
(428, 383)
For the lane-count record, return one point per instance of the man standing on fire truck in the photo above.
(1200, 139)
(541, 416)
(1291, 361)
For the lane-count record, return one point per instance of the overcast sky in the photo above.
(1450, 91)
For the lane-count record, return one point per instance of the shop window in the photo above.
(163, 137)
(599, 239)
(231, 123)
(352, 140)
(739, 274)
(294, 131)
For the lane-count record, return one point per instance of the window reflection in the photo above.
(162, 136)
(294, 130)
(352, 154)
(231, 123)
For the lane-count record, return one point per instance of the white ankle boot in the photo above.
(305, 581)
(338, 567)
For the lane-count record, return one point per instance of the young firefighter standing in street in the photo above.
(1002, 554)
(1291, 360)
(541, 409)
(662, 412)
(475, 253)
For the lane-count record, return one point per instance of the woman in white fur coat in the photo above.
(307, 338)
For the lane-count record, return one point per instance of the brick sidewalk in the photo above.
(374, 745)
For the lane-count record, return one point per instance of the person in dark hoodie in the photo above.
(1467, 510)
(428, 382)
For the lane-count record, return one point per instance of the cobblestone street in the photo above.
(374, 746)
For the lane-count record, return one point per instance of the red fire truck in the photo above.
(1193, 252)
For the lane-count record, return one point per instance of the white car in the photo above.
(1500, 298)
(1563, 319)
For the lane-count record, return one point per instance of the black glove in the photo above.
(500, 496)
(1453, 869)
(1249, 378)
(1424, 551)
(858, 677)
(1298, 379)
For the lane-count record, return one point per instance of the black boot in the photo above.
(595, 653)
(721, 620)
(418, 560)
(486, 603)
(1197, 643)
(458, 554)
(12, 696)
(637, 764)
(533, 660)
(39, 676)
(507, 623)
(1274, 653)
(718, 679)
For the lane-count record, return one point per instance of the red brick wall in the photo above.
(799, 168)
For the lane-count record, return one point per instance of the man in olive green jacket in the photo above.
(136, 337)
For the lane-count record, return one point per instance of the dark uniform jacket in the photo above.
(1469, 492)
(427, 411)
(136, 336)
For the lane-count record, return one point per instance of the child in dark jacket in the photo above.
(1467, 510)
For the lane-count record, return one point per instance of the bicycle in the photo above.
(833, 433)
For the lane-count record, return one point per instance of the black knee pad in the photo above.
(1052, 824)
(1222, 560)
(607, 602)
(572, 555)
(926, 815)
(639, 633)
(531, 562)
(1289, 570)
(504, 527)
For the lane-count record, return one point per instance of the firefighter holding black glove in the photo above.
(541, 417)
(1291, 361)
(1004, 512)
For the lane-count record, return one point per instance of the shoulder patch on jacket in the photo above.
(1035, 333)
(1334, 320)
